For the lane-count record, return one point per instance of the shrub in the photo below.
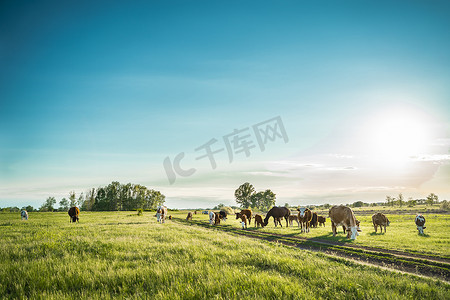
(140, 211)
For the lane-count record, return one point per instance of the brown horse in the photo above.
(278, 212)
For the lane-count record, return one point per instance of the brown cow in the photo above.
(259, 221)
(321, 220)
(243, 218)
(277, 213)
(293, 218)
(381, 220)
(161, 213)
(74, 212)
(246, 212)
(304, 217)
(343, 216)
(314, 220)
(189, 216)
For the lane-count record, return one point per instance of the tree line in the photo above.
(114, 196)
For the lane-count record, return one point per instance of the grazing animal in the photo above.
(217, 218)
(74, 212)
(189, 216)
(244, 221)
(314, 220)
(212, 217)
(222, 215)
(293, 218)
(170, 217)
(278, 212)
(246, 212)
(343, 216)
(357, 224)
(258, 221)
(381, 220)
(321, 220)
(304, 217)
(420, 221)
(23, 214)
(161, 213)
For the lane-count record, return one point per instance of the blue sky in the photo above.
(91, 93)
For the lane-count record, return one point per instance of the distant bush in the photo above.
(140, 211)
(445, 205)
(228, 210)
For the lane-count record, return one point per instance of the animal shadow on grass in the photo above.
(340, 238)
(376, 233)
(425, 235)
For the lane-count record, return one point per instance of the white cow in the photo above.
(161, 213)
(212, 217)
(23, 214)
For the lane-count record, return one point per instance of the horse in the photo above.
(278, 212)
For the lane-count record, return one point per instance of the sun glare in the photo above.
(398, 134)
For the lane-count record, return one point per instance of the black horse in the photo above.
(278, 212)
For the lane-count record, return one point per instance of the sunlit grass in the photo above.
(121, 255)
(401, 235)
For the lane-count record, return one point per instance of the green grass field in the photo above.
(401, 235)
(122, 255)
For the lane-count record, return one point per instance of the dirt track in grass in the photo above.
(413, 263)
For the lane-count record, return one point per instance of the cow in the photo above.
(343, 216)
(420, 221)
(244, 221)
(189, 216)
(246, 212)
(259, 221)
(217, 218)
(222, 215)
(74, 212)
(314, 220)
(304, 217)
(345, 229)
(381, 220)
(293, 218)
(161, 213)
(23, 214)
(321, 220)
(278, 212)
(212, 217)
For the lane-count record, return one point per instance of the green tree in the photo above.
(63, 204)
(432, 198)
(72, 199)
(48, 204)
(243, 195)
(400, 200)
(268, 200)
(390, 201)
(411, 202)
(358, 204)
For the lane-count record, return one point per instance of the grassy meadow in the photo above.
(122, 255)
(401, 235)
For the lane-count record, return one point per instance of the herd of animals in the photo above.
(339, 216)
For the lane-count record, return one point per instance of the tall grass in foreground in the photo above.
(118, 255)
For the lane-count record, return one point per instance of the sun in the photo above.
(398, 134)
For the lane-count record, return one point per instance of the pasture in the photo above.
(401, 235)
(122, 255)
